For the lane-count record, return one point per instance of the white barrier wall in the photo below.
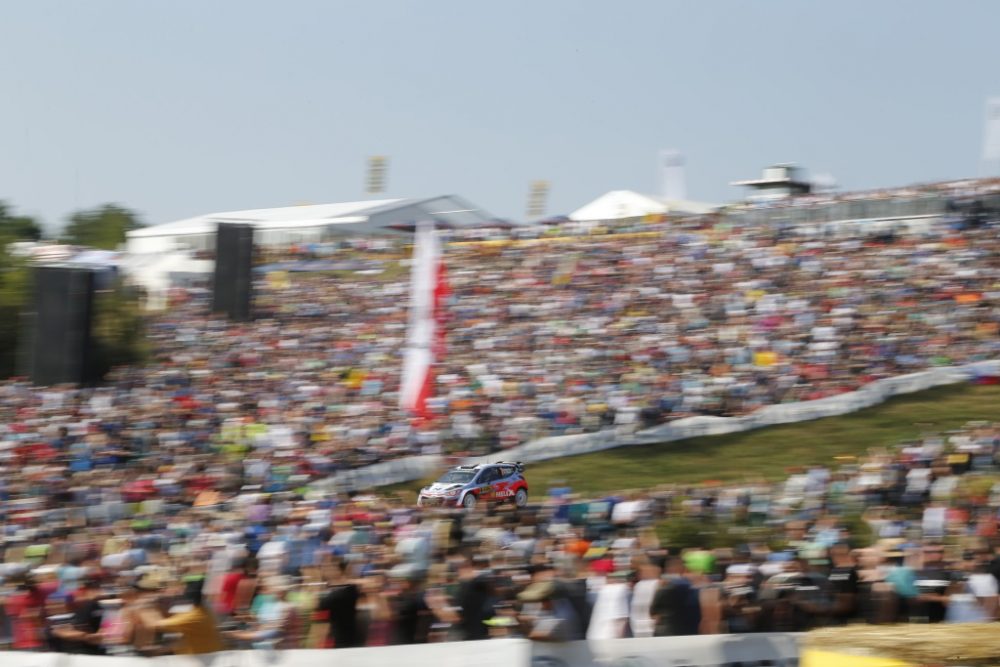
(396, 471)
(419, 467)
(775, 649)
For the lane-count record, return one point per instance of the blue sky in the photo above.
(181, 107)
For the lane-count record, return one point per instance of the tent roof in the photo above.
(446, 209)
(629, 204)
(273, 218)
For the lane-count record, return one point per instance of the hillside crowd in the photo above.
(184, 483)
(284, 570)
(702, 320)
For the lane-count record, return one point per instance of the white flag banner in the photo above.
(425, 335)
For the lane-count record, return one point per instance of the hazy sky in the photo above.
(181, 107)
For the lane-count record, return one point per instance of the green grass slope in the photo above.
(766, 452)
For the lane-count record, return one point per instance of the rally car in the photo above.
(465, 486)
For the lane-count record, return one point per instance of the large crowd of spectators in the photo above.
(183, 477)
(908, 533)
(558, 335)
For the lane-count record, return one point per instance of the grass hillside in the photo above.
(766, 452)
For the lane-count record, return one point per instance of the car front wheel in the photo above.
(469, 501)
(521, 498)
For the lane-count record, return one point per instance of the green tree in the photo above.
(102, 227)
(119, 331)
(17, 227)
(14, 292)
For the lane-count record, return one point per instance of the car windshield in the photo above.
(457, 477)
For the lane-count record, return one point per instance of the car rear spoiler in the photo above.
(516, 464)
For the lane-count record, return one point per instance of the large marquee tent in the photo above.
(310, 224)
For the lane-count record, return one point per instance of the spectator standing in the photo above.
(196, 626)
(339, 606)
(844, 584)
(609, 618)
(675, 609)
(933, 582)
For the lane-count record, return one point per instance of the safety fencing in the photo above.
(412, 468)
(775, 649)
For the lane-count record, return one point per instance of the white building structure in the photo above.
(777, 182)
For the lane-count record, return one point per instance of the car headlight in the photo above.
(453, 493)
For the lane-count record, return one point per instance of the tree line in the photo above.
(117, 327)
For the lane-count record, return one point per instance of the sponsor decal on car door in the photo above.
(508, 484)
(503, 489)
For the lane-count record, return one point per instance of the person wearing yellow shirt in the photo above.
(197, 626)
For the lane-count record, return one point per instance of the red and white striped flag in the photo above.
(426, 333)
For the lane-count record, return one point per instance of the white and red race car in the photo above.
(466, 486)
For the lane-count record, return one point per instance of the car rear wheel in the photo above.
(521, 498)
(469, 501)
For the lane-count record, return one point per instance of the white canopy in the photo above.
(619, 204)
(265, 218)
(308, 224)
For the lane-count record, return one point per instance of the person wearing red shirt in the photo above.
(26, 611)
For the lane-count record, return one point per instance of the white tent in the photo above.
(620, 204)
(308, 224)
(156, 273)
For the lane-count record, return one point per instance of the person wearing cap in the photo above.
(739, 599)
(140, 614)
(546, 616)
(504, 625)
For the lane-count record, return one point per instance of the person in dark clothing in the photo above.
(843, 584)
(340, 607)
(82, 634)
(475, 601)
(812, 594)
(676, 609)
(740, 599)
(411, 612)
(794, 600)
(933, 582)
(575, 592)
(994, 566)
